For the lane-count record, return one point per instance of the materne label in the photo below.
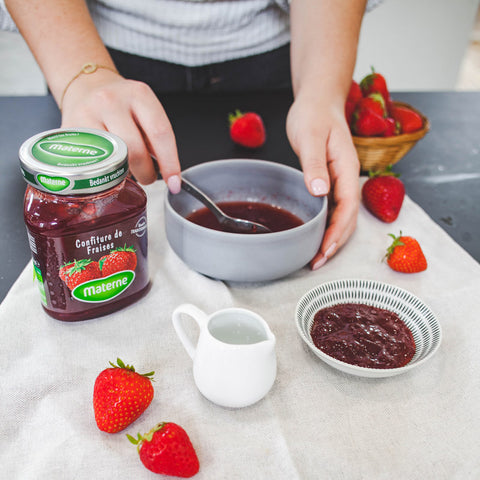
(104, 289)
(72, 149)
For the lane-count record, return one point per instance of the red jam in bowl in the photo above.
(86, 223)
(363, 335)
(275, 218)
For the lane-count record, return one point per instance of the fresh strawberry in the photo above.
(354, 96)
(383, 195)
(373, 102)
(392, 127)
(408, 120)
(355, 93)
(349, 111)
(120, 396)
(122, 258)
(247, 129)
(375, 82)
(80, 271)
(405, 255)
(367, 123)
(167, 449)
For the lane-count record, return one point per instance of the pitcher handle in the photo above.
(198, 315)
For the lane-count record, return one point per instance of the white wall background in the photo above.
(19, 73)
(417, 44)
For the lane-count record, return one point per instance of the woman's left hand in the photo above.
(319, 135)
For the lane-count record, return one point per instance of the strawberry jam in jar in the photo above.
(86, 223)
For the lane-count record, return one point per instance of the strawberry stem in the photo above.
(131, 368)
(78, 266)
(233, 117)
(396, 243)
(378, 97)
(124, 249)
(136, 441)
(387, 172)
(146, 437)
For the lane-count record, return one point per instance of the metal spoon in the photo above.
(237, 224)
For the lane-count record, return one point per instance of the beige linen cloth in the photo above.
(315, 423)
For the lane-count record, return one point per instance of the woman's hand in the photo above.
(129, 109)
(319, 135)
(323, 52)
(63, 37)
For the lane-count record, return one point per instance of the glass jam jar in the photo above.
(86, 223)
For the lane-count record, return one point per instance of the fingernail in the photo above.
(319, 187)
(331, 249)
(321, 261)
(173, 184)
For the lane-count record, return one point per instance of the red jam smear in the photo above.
(64, 228)
(275, 218)
(363, 335)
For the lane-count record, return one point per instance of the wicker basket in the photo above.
(377, 153)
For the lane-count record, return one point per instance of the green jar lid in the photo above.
(74, 161)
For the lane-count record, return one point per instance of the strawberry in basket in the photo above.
(383, 130)
(408, 120)
(371, 112)
(354, 96)
(375, 83)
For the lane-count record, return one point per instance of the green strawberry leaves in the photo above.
(121, 364)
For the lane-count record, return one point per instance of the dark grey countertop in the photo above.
(441, 173)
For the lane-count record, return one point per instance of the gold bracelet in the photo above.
(87, 69)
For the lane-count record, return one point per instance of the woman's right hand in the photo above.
(128, 108)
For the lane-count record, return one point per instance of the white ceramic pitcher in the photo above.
(234, 361)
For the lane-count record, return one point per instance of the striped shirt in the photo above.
(190, 32)
(194, 32)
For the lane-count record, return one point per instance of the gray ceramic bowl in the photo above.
(246, 257)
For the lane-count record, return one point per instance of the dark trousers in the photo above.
(266, 71)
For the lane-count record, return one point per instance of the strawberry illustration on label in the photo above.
(79, 271)
(122, 258)
(63, 270)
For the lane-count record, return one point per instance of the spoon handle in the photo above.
(188, 187)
